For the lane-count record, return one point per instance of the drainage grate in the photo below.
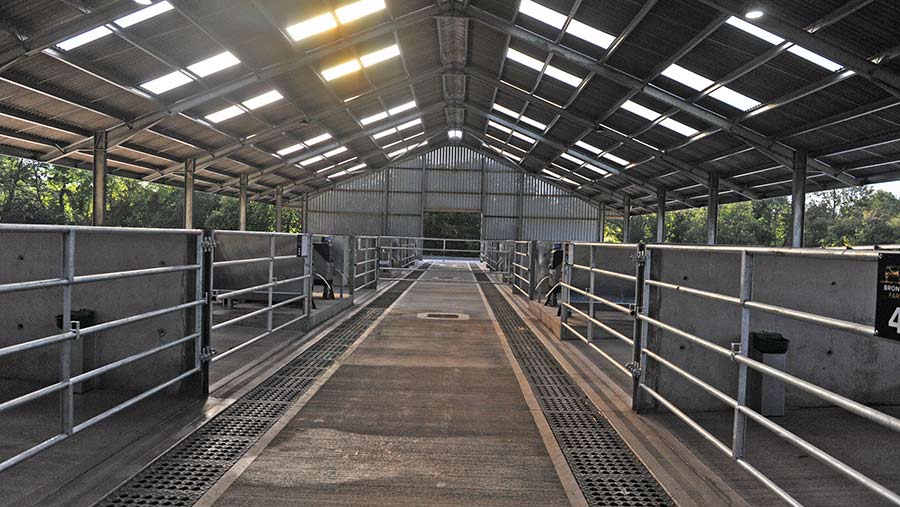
(183, 474)
(605, 468)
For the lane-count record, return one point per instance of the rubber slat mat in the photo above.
(606, 470)
(184, 473)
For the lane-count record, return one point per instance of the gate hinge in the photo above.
(208, 244)
(634, 368)
(634, 309)
(735, 350)
(206, 354)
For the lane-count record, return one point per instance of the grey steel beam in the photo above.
(661, 215)
(626, 220)
(798, 198)
(279, 204)
(882, 76)
(776, 151)
(189, 167)
(242, 204)
(858, 144)
(99, 164)
(712, 210)
(601, 222)
(123, 132)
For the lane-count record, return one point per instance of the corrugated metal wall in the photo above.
(513, 205)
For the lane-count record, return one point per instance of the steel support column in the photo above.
(601, 222)
(798, 198)
(279, 206)
(712, 210)
(242, 210)
(626, 220)
(305, 222)
(661, 215)
(189, 166)
(100, 171)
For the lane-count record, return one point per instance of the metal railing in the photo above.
(640, 308)
(72, 331)
(365, 262)
(521, 267)
(495, 254)
(301, 259)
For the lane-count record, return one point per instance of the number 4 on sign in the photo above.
(895, 320)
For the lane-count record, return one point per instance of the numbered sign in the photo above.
(887, 304)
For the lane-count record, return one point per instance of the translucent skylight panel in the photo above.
(168, 82)
(375, 117)
(143, 14)
(397, 152)
(312, 160)
(214, 64)
(528, 61)
(225, 114)
(533, 122)
(336, 175)
(643, 112)
(336, 151)
(572, 158)
(815, 58)
(454, 134)
(700, 83)
(619, 160)
(754, 30)
(679, 127)
(402, 108)
(550, 173)
(588, 147)
(384, 133)
(524, 137)
(592, 167)
(773, 39)
(341, 70)
(84, 38)
(290, 149)
(332, 166)
(318, 139)
(409, 124)
(512, 156)
(312, 26)
(357, 167)
(570, 182)
(565, 77)
(589, 34)
(379, 56)
(505, 110)
(499, 127)
(263, 100)
(541, 13)
(359, 9)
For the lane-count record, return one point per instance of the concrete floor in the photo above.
(423, 412)
(54, 475)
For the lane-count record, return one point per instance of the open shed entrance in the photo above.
(457, 227)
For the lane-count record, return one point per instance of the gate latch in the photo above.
(634, 368)
(206, 354)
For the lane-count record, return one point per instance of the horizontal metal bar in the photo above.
(122, 406)
(115, 275)
(95, 229)
(33, 395)
(822, 253)
(822, 456)
(363, 286)
(520, 277)
(32, 285)
(427, 280)
(695, 292)
(137, 318)
(130, 359)
(218, 232)
(630, 246)
(521, 290)
(612, 274)
(688, 336)
(724, 398)
(521, 267)
(22, 456)
(231, 294)
(599, 323)
(842, 325)
(33, 344)
(603, 353)
(254, 313)
(606, 302)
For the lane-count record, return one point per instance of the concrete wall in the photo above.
(32, 314)
(862, 368)
(233, 246)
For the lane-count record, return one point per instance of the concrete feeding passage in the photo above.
(390, 408)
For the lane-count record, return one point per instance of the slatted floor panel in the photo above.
(182, 475)
(607, 471)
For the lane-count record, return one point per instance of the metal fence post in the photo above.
(376, 248)
(67, 409)
(740, 420)
(205, 349)
(566, 295)
(636, 366)
(271, 281)
(593, 281)
(351, 266)
(308, 281)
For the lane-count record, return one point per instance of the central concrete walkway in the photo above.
(424, 412)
